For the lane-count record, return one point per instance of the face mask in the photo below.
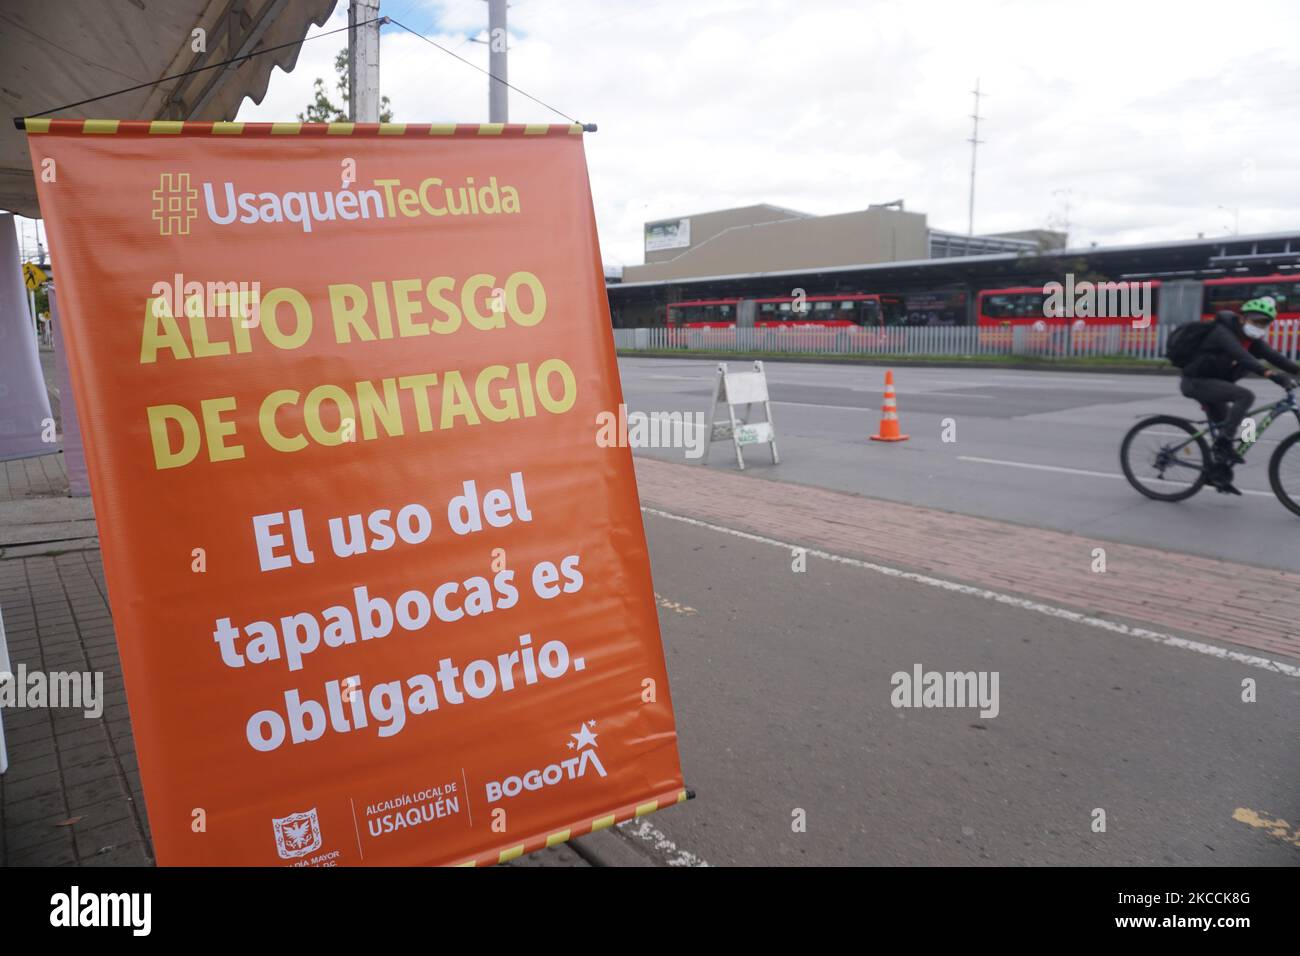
(1254, 331)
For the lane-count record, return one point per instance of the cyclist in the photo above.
(1229, 351)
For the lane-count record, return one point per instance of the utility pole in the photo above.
(1063, 220)
(974, 145)
(1236, 219)
(498, 92)
(363, 62)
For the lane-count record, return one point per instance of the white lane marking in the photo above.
(646, 832)
(669, 424)
(867, 408)
(1085, 379)
(1025, 464)
(1290, 670)
(1081, 471)
(873, 407)
(879, 393)
(851, 408)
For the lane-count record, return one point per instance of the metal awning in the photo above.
(61, 51)
(1267, 249)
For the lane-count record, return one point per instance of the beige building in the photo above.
(767, 238)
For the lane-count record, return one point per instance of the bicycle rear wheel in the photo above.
(1163, 465)
(1284, 472)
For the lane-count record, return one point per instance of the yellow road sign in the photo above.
(33, 275)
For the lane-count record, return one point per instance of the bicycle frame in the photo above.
(1274, 411)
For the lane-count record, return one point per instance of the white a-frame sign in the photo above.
(741, 388)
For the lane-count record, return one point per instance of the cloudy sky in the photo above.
(1134, 121)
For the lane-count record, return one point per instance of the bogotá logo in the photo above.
(175, 204)
(583, 744)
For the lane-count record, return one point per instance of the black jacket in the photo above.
(1227, 354)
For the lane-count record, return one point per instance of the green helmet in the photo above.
(1264, 305)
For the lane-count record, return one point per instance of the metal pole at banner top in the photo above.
(20, 123)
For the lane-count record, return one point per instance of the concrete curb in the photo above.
(1046, 365)
(607, 848)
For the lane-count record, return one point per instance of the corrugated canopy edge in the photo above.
(60, 52)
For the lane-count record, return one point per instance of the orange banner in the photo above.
(380, 596)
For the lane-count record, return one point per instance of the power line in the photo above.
(454, 88)
(557, 112)
(19, 121)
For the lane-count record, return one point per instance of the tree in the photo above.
(323, 110)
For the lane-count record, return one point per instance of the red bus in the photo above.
(814, 311)
(1000, 311)
(703, 313)
(862, 310)
(1285, 290)
(1231, 293)
(1027, 305)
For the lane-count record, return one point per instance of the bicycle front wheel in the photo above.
(1284, 472)
(1165, 458)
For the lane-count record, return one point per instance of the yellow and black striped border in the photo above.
(630, 812)
(37, 126)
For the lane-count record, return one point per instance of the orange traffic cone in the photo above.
(889, 414)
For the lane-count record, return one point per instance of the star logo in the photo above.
(584, 737)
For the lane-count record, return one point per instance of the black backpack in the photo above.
(1185, 342)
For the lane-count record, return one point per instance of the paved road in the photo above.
(781, 684)
(1036, 448)
(782, 680)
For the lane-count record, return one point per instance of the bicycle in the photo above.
(1153, 464)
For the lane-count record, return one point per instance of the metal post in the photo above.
(363, 62)
(498, 92)
(713, 412)
(974, 145)
(767, 410)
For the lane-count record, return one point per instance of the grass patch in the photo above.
(1080, 362)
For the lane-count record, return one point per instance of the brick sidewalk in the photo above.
(33, 477)
(72, 792)
(1193, 596)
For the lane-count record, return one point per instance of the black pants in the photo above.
(1225, 402)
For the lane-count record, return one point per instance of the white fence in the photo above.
(969, 340)
(1060, 342)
